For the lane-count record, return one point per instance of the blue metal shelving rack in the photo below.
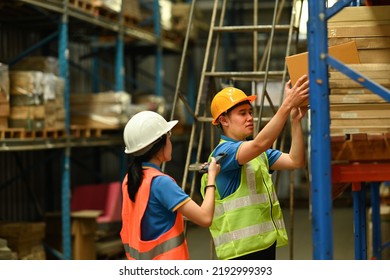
(319, 60)
(62, 36)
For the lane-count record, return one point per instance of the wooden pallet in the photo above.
(55, 133)
(103, 12)
(21, 133)
(83, 5)
(80, 131)
(97, 9)
(361, 147)
(84, 132)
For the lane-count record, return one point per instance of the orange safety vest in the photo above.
(171, 245)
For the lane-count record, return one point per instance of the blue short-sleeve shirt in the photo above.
(229, 176)
(165, 197)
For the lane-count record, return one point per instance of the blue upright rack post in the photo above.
(119, 63)
(120, 78)
(320, 132)
(64, 73)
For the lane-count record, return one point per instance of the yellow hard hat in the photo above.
(226, 99)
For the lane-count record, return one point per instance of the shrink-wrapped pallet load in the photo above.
(4, 96)
(108, 110)
(27, 103)
(37, 94)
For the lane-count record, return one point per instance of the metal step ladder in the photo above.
(253, 81)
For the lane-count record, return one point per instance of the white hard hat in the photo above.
(143, 129)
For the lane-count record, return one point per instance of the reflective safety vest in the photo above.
(250, 219)
(171, 245)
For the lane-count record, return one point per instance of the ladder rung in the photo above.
(253, 74)
(205, 119)
(251, 28)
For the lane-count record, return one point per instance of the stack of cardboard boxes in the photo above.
(355, 109)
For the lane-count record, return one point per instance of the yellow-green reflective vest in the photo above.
(250, 219)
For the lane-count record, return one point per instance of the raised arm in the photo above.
(295, 96)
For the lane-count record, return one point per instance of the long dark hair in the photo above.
(134, 167)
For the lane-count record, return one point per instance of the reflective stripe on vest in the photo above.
(158, 250)
(247, 232)
(240, 202)
(249, 200)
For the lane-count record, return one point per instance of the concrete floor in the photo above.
(301, 237)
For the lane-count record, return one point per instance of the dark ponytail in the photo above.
(134, 168)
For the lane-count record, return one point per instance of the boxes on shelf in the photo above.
(180, 20)
(131, 8)
(368, 27)
(4, 95)
(25, 238)
(353, 108)
(45, 64)
(37, 100)
(4, 82)
(105, 110)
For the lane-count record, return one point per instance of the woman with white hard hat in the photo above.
(154, 205)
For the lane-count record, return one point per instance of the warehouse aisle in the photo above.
(199, 238)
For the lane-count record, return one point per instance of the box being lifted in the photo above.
(298, 64)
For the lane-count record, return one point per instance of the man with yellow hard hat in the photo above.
(248, 221)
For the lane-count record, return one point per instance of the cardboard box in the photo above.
(361, 13)
(24, 237)
(83, 230)
(298, 64)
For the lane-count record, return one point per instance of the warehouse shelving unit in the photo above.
(323, 174)
(66, 140)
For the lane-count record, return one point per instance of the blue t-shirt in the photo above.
(229, 176)
(165, 197)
